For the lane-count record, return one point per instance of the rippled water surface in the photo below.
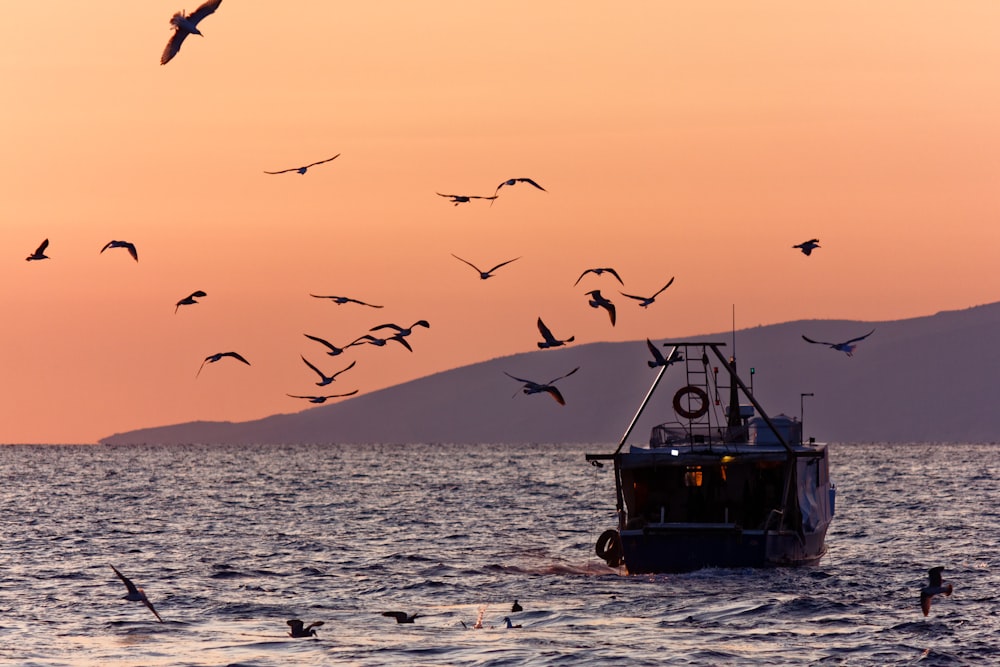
(229, 542)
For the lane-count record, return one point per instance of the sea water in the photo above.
(230, 542)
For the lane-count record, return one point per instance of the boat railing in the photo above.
(679, 433)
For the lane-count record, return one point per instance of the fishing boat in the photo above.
(720, 484)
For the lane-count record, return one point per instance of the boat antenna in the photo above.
(734, 330)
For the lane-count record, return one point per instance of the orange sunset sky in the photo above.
(692, 139)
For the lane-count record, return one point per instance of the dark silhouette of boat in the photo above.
(721, 485)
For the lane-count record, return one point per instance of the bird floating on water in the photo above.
(659, 359)
(598, 300)
(135, 594)
(532, 387)
(516, 607)
(184, 25)
(300, 629)
(212, 358)
(401, 616)
(122, 244)
(464, 199)
(189, 299)
(599, 271)
(302, 170)
(807, 246)
(341, 300)
(323, 399)
(39, 252)
(483, 275)
(323, 378)
(645, 301)
(847, 347)
(506, 619)
(934, 587)
(550, 340)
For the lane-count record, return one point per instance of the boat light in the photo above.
(674, 452)
(728, 459)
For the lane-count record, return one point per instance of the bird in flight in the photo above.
(464, 199)
(807, 246)
(39, 252)
(341, 300)
(323, 378)
(122, 244)
(934, 586)
(189, 300)
(401, 616)
(333, 349)
(380, 342)
(599, 271)
(302, 170)
(300, 629)
(402, 332)
(550, 340)
(184, 25)
(847, 347)
(135, 594)
(483, 275)
(532, 387)
(512, 181)
(644, 301)
(598, 300)
(323, 399)
(658, 357)
(212, 358)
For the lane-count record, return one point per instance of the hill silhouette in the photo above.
(926, 379)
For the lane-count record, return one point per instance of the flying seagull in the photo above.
(212, 358)
(846, 347)
(934, 586)
(483, 275)
(333, 349)
(532, 387)
(380, 342)
(402, 331)
(401, 616)
(40, 252)
(550, 340)
(599, 271)
(644, 301)
(302, 170)
(597, 300)
(463, 199)
(512, 181)
(300, 629)
(659, 359)
(341, 300)
(189, 300)
(325, 379)
(135, 594)
(807, 246)
(184, 25)
(323, 399)
(122, 244)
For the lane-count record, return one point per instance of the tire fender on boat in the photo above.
(609, 547)
(697, 392)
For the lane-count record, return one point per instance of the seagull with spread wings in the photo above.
(598, 300)
(599, 271)
(645, 301)
(934, 587)
(659, 359)
(463, 199)
(847, 347)
(532, 387)
(549, 339)
(300, 629)
(341, 300)
(302, 170)
(332, 349)
(323, 399)
(135, 594)
(807, 246)
(212, 358)
(122, 244)
(513, 181)
(483, 275)
(39, 252)
(184, 25)
(189, 299)
(325, 379)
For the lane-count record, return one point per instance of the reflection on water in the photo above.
(230, 542)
